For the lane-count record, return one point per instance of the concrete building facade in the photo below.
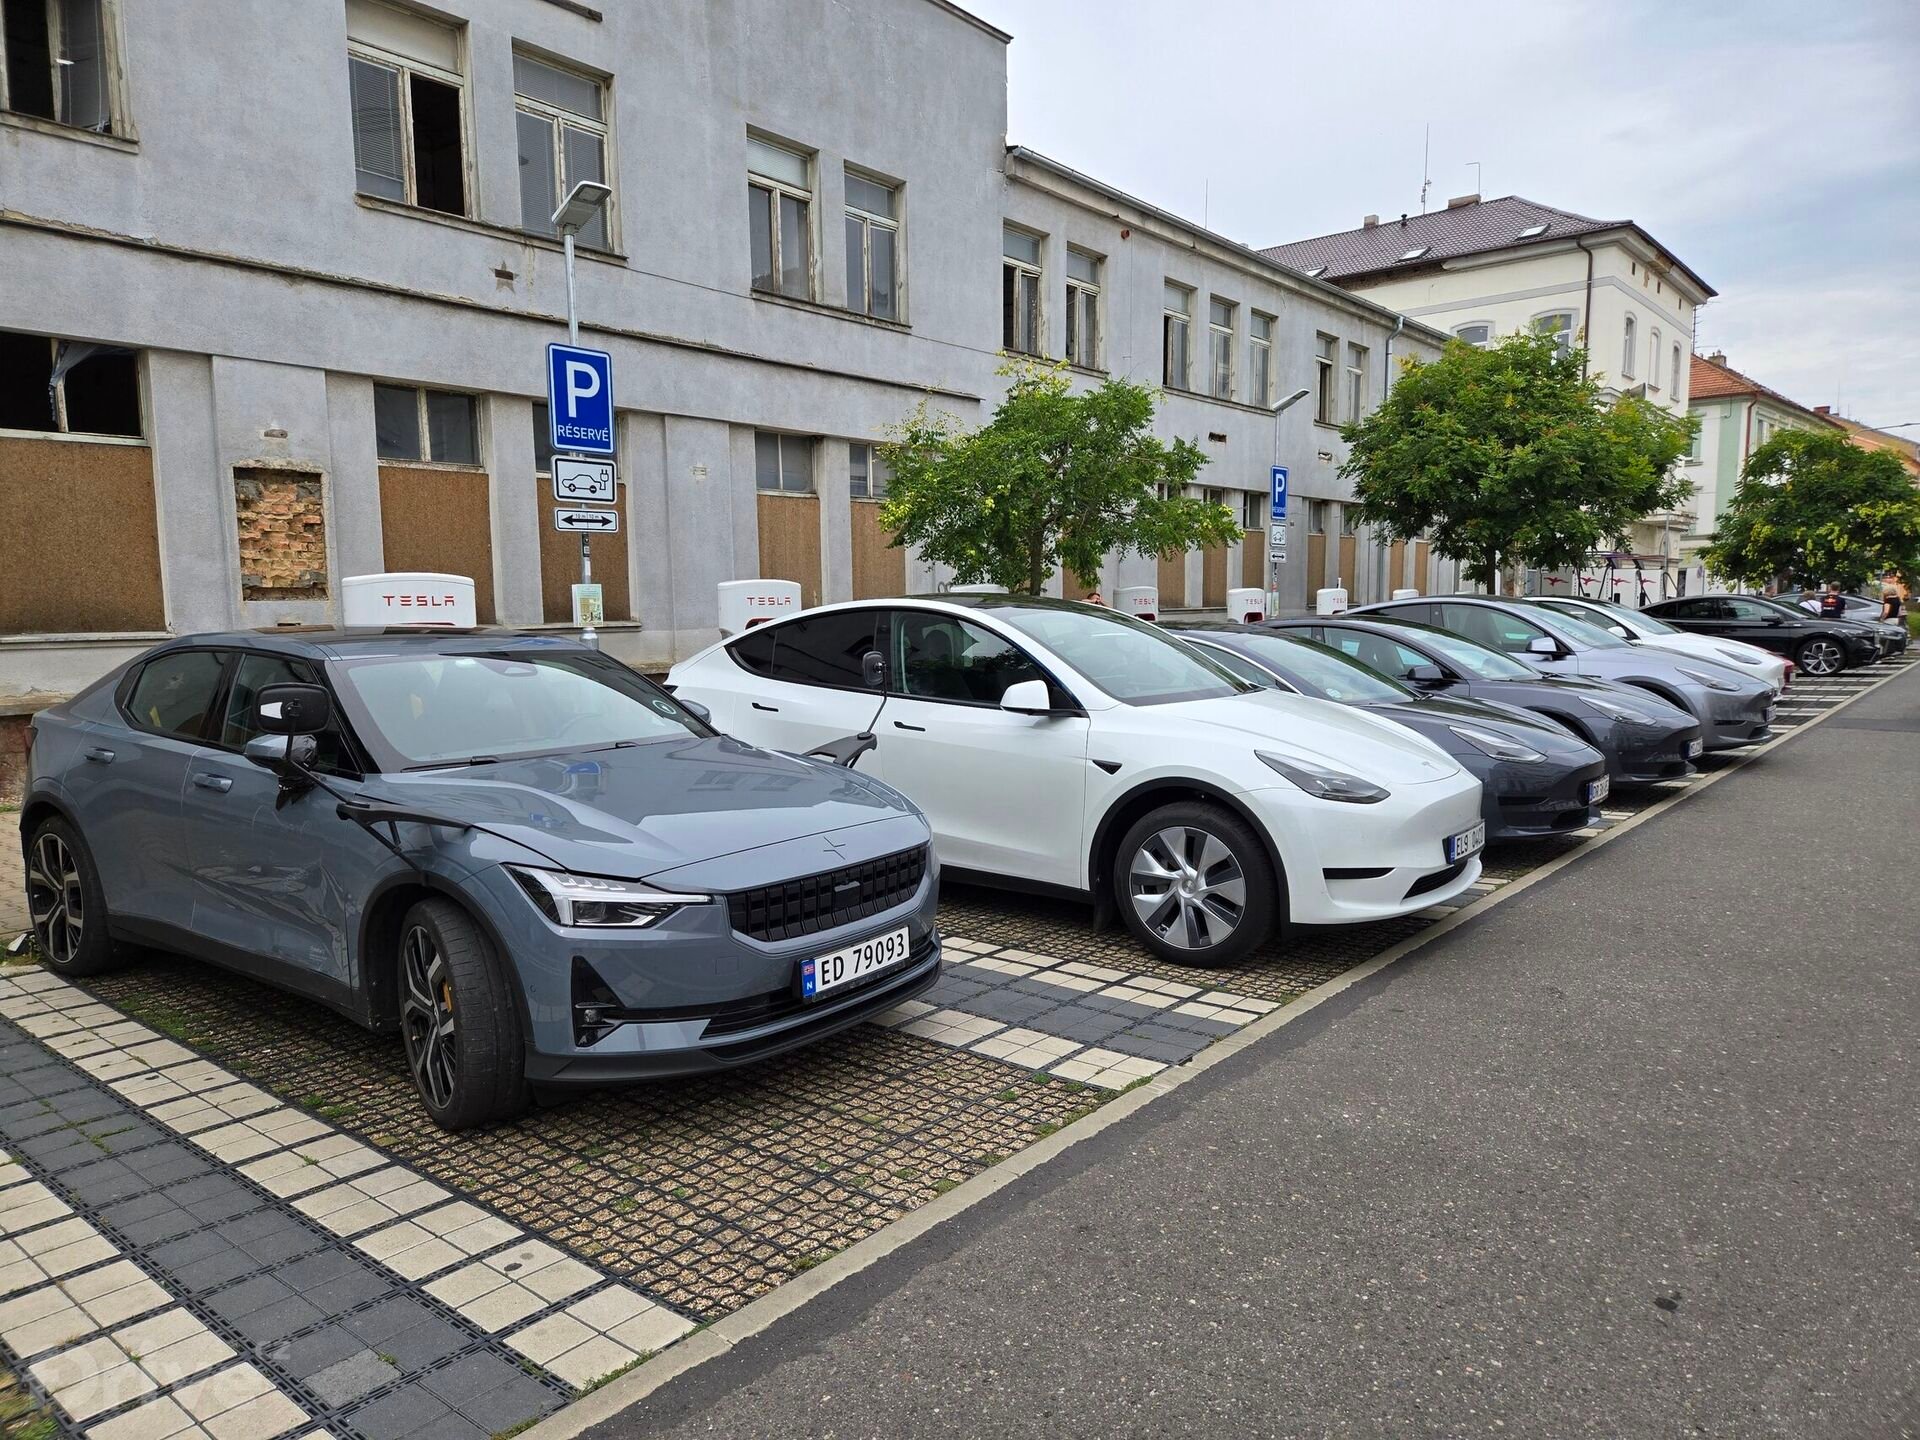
(1737, 415)
(278, 281)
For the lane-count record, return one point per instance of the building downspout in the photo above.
(1586, 312)
(1399, 324)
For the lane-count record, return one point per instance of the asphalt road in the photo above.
(1635, 1154)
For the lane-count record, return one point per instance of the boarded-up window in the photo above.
(62, 570)
(439, 519)
(282, 522)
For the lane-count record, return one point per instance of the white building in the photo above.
(1737, 416)
(1482, 269)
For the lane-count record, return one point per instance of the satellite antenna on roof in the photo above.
(1477, 189)
(1426, 153)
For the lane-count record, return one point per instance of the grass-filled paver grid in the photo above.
(703, 1192)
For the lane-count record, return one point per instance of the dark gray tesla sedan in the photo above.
(536, 865)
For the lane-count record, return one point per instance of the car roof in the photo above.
(320, 642)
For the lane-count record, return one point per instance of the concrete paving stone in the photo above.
(157, 1331)
(60, 1326)
(108, 1181)
(313, 1353)
(425, 1344)
(355, 1217)
(189, 1248)
(48, 1238)
(1167, 1052)
(585, 1365)
(70, 1367)
(406, 1412)
(547, 1339)
(19, 1275)
(304, 1274)
(223, 1391)
(185, 1358)
(248, 1296)
(465, 1285)
(158, 1419)
(522, 1260)
(345, 1381)
(171, 1222)
(64, 1150)
(386, 1243)
(483, 1235)
(424, 1260)
(1007, 1007)
(497, 1309)
(257, 1419)
(234, 1143)
(470, 1377)
(108, 1390)
(168, 1164)
(199, 1276)
(519, 1400)
(346, 1291)
(77, 1256)
(652, 1331)
(387, 1319)
(139, 1298)
(281, 1244)
(607, 1308)
(277, 1322)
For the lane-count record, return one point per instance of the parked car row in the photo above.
(543, 869)
(1819, 645)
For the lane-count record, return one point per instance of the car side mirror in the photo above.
(695, 709)
(1621, 631)
(1775, 620)
(288, 756)
(1427, 675)
(1543, 645)
(292, 709)
(873, 670)
(1027, 697)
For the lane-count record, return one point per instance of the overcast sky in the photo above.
(1772, 145)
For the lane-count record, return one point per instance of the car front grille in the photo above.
(829, 899)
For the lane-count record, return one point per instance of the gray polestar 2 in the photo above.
(534, 864)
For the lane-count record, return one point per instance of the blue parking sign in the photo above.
(580, 400)
(1279, 511)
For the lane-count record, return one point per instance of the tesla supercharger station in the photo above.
(1140, 601)
(1330, 601)
(747, 603)
(1404, 595)
(1246, 605)
(407, 598)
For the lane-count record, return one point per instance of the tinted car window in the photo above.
(252, 675)
(1495, 629)
(939, 657)
(1325, 672)
(754, 650)
(1241, 666)
(1423, 614)
(1376, 652)
(1749, 610)
(1699, 609)
(814, 649)
(174, 692)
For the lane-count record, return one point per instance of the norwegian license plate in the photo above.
(829, 972)
(1467, 843)
(1597, 790)
(1695, 748)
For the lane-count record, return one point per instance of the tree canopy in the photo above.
(1811, 507)
(1057, 478)
(1510, 455)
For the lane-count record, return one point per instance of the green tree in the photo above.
(1512, 456)
(1056, 478)
(1812, 506)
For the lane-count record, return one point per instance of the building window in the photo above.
(409, 108)
(1083, 309)
(1316, 517)
(1674, 389)
(1260, 360)
(542, 439)
(416, 424)
(1255, 510)
(1693, 445)
(867, 472)
(68, 387)
(1325, 348)
(1176, 340)
(873, 247)
(780, 216)
(1220, 347)
(1356, 381)
(782, 463)
(1556, 325)
(562, 123)
(57, 62)
(1020, 292)
(1628, 347)
(1653, 360)
(1479, 334)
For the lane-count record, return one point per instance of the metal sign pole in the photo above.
(587, 634)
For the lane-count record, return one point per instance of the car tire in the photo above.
(62, 880)
(1820, 656)
(1216, 892)
(459, 1019)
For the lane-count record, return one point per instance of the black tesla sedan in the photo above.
(1642, 737)
(1818, 646)
(1536, 778)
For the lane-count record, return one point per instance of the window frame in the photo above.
(1326, 359)
(123, 693)
(1083, 299)
(777, 189)
(425, 431)
(781, 437)
(1459, 333)
(1561, 335)
(1673, 389)
(1358, 387)
(1028, 279)
(406, 65)
(1176, 322)
(1260, 329)
(63, 424)
(560, 120)
(114, 93)
(1653, 357)
(875, 465)
(1220, 346)
(1629, 347)
(1256, 510)
(869, 222)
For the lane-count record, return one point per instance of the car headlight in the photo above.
(1739, 658)
(1324, 781)
(1500, 747)
(1712, 682)
(1619, 709)
(594, 902)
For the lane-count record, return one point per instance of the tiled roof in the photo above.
(1710, 380)
(1473, 229)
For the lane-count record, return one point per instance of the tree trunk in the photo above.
(1036, 561)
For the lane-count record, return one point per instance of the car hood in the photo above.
(1434, 715)
(634, 811)
(1712, 647)
(1343, 736)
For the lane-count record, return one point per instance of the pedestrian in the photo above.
(1810, 602)
(1094, 598)
(1833, 605)
(1890, 605)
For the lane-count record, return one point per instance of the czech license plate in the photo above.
(1695, 748)
(1467, 843)
(856, 962)
(1597, 789)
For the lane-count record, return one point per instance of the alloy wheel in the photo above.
(1188, 888)
(56, 903)
(1820, 657)
(426, 1017)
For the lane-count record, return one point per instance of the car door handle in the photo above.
(205, 781)
(99, 754)
(902, 725)
(770, 709)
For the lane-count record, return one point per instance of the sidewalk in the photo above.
(1634, 1154)
(13, 878)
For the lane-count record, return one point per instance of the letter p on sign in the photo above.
(580, 400)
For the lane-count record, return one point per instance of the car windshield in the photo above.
(1652, 624)
(418, 712)
(1323, 673)
(1581, 633)
(1781, 607)
(1475, 659)
(1134, 662)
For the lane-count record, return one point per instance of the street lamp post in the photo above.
(585, 201)
(1273, 565)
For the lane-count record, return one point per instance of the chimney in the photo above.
(1369, 222)
(1718, 357)
(1823, 410)
(1457, 201)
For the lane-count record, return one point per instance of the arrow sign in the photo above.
(588, 522)
(584, 480)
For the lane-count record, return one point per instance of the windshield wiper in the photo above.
(456, 764)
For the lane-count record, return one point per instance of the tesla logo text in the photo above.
(431, 602)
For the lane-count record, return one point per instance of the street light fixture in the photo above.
(1273, 566)
(583, 203)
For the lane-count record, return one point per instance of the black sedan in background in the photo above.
(1643, 738)
(1818, 646)
(1535, 777)
(1860, 610)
